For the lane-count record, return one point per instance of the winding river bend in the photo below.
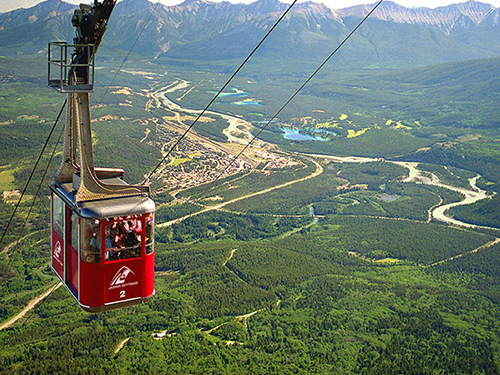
(438, 213)
(239, 131)
(415, 175)
(237, 126)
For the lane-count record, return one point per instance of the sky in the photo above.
(6, 5)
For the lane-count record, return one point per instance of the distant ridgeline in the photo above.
(197, 30)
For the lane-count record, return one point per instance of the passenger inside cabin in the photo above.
(91, 241)
(89, 257)
(132, 243)
(116, 236)
(95, 242)
(111, 247)
(123, 239)
(148, 232)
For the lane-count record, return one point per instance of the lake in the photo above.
(295, 135)
(246, 102)
(235, 92)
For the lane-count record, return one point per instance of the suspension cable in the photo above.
(297, 92)
(130, 51)
(33, 171)
(43, 177)
(219, 92)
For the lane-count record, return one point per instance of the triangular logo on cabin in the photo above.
(57, 250)
(121, 276)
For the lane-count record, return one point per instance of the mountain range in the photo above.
(199, 30)
(450, 18)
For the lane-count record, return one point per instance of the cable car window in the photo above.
(123, 238)
(90, 241)
(57, 214)
(149, 233)
(74, 231)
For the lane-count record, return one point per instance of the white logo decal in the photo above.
(57, 252)
(57, 249)
(120, 277)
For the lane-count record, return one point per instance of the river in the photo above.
(238, 131)
(439, 213)
(415, 175)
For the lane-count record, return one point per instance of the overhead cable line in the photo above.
(43, 177)
(298, 90)
(130, 51)
(219, 92)
(55, 123)
(33, 171)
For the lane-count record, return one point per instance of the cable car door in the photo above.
(57, 235)
(122, 254)
(72, 241)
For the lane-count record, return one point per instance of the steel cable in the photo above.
(33, 171)
(296, 92)
(220, 91)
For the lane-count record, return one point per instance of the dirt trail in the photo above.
(295, 230)
(230, 257)
(145, 135)
(121, 345)
(245, 318)
(30, 305)
(11, 245)
(485, 246)
(215, 328)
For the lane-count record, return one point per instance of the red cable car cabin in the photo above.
(103, 250)
(102, 228)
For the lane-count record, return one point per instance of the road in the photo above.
(238, 132)
(317, 172)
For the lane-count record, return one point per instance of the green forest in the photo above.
(323, 266)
